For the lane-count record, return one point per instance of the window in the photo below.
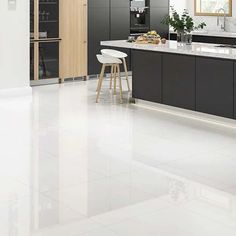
(213, 7)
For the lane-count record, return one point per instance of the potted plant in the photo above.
(183, 25)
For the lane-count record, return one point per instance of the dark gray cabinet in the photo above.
(215, 86)
(107, 20)
(98, 3)
(158, 10)
(98, 30)
(179, 81)
(110, 20)
(157, 14)
(159, 3)
(120, 23)
(120, 3)
(147, 75)
(202, 84)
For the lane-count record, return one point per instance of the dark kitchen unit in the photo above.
(44, 41)
(117, 19)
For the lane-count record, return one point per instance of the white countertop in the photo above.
(196, 49)
(223, 34)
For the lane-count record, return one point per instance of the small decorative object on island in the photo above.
(151, 37)
(183, 25)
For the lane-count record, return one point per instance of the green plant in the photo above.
(182, 22)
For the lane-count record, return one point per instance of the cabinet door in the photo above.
(157, 14)
(67, 27)
(98, 3)
(159, 3)
(48, 60)
(234, 89)
(147, 73)
(48, 17)
(120, 3)
(179, 81)
(80, 42)
(214, 86)
(120, 23)
(99, 30)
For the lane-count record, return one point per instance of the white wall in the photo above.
(210, 20)
(14, 45)
(179, 5)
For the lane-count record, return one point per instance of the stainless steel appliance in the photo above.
(139, 16)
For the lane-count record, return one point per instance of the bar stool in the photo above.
(114, 63)
(119, 55)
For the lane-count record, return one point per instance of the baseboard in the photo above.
(15, 92)
(194, 115)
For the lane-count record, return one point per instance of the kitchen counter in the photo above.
(196, 49)
(199, 77)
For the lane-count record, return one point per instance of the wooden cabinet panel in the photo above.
(179, 81)
(215, 86)
(147, 75)
(73, 32)
(80, 46)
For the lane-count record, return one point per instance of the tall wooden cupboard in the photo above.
(58, 40)
(73, 32)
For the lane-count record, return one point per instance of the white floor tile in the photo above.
(69, 166)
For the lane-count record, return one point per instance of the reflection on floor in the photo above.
(70, 167)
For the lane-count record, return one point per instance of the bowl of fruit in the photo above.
(151, 37)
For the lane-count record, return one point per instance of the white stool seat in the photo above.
(120, 55)
(113, 53)
(108, 60)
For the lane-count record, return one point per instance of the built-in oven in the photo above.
(139, 16)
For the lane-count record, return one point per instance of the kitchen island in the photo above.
(199, 77)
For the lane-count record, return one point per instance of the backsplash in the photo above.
(211, 21)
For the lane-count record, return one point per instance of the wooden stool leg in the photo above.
(100, 82)
(115, 76)
(120, 84)
(126, 73)
(112, 75)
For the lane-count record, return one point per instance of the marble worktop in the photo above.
(196, 49)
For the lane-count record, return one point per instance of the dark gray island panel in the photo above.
(215, 86)
(199, 77)
(147, 74)
(179, 81)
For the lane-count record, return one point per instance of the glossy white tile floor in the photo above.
(70, 167)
